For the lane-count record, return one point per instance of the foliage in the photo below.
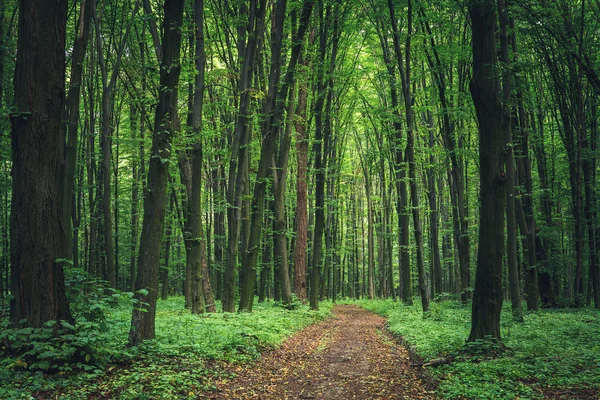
(181, 361)
(552, 349)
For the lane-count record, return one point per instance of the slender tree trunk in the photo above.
(273, 112)
(108, 85)
(400, 168)
(434, 239)
(164, 269)
(279, 185)
(72, 121)
(143, 316)
(511, 224)
(301, 191)
(410, 158)
(134, 201)
(239, 152)
(370, 241)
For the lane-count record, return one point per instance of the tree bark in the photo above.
(143, 316)
(511, 222)
(238, 164)
(37, 235)
(301, 191)
(410, 158)
(279, 185)
(273, 112)
(72, 123)
(488, 296)
(400, 168)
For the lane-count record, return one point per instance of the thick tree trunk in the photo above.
(143, 316)
(37, 235)
(488, 296)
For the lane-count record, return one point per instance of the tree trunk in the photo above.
(72, 123)
(400, 168)
(279, 185)
(238, 164)
(143, 316)
(301, 191)
(108, 85)
(273, 112)
(135, 218)
(487, 296)
(511, 222)
(410, 157)
(37, 280)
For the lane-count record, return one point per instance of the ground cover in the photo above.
(190, 352)
(554, 354)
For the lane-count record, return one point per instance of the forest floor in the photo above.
(348, 356)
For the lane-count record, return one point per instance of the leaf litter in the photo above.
(348, 356)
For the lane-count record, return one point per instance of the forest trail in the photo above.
(348, 356)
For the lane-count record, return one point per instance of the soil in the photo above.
(348, 356)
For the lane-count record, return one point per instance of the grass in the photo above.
(182, 361)
(552, 349)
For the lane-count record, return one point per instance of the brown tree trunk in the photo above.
(143, 316)
(511, 222)
(487, 295)
(400, 167)
(37, 280)
(108, 85)
(135, 218)
(72, 123)
(279, 185)
(301, 192)
(410, 158)
(455, 176)
(238, 164)
(273, 112)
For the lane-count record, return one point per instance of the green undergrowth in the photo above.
(184, 360)
(552, 349)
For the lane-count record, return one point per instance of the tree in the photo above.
(37, 277)
(155, 199)
(485, 89)
(273, 111)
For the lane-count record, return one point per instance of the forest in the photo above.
(271, 199)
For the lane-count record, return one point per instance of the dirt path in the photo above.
(349, 356)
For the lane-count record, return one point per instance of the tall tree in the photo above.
(72, 125)
(485, 91)
(405, 78)
(143, 316)
(37, 278)
(273, 111)
(511, 219)
(237, 182)
(301, 190)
